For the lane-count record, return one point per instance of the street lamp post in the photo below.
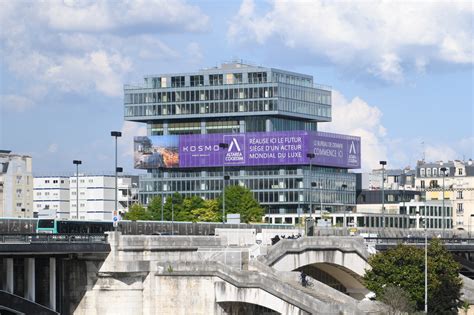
(383, 163)
(116, 134)
(344, 186)
(298, 182)
(224, 177)
(162, 194)
(443, 169)
(426, 262)
(77, 163)
(172, 214)
(310, 156)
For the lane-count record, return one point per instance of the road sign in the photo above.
(115, 219)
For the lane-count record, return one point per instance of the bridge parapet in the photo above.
(354, 245)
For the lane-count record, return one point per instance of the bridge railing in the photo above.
(416, 240)
(52, 238)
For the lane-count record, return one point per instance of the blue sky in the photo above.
(402, 75)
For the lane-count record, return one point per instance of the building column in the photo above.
(52, 283)
(30, 279)
(8, 262)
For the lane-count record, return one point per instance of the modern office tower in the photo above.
(454, 179)
(16, 185)
(240, 124)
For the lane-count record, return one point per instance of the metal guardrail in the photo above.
(417, 240)
(53, 238)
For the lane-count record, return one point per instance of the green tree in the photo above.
(190, 204)
(154, 208)
(239, 199)
(209, 212)
(174, 205)
(397, 300)
(403, 267)
(137, 212)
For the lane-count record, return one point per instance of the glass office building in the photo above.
(258, 125)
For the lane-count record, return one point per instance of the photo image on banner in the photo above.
(155, 152)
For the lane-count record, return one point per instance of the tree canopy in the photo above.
(195, 209)
(239, 199)
(403, 267)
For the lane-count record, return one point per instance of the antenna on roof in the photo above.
(423, 151)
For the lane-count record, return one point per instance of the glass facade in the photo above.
(239, 98)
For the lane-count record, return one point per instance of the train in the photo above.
(58, 226)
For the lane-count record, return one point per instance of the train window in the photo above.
(46, 224)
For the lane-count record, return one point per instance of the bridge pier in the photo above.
(30, 292)
(52, 283)
(8, 265)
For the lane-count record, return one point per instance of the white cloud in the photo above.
(440, 152)
(86, 46)
(53, 148)
(104, 15)
(358, 118)
(129, 131)
(383, 39)
(99, 69)
(14, 102)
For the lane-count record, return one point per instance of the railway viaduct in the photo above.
(148, 274)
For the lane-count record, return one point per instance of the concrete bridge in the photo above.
(342, 258)
(145, 274)
(38, 271)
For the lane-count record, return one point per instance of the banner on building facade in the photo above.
(247, 149)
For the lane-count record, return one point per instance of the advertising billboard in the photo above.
(247, 149)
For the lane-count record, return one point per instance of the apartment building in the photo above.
(16, 185)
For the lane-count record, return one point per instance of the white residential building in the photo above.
(458, 187)
(51, 197)
(97, 196)
(16, 185)
(395, 179)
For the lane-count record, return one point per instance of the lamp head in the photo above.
(115, 133)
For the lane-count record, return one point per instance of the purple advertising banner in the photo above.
(247, 149)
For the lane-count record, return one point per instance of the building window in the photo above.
(428, 172)
(197, 80)
(459, 194)
(460, 208)
(62, 181)
(55, 181)
(422, 184)
(422, 172)
(435, 172)
(46, 181)
(216, 79)
(460, 172)
(257, 77)
(177, 81)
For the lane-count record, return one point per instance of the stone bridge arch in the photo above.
(227, 293)
(342, 258)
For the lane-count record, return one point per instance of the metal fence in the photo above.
(53, 238)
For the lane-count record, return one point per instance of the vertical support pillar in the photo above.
(30, 279)
(52, 283)
(9, 274)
